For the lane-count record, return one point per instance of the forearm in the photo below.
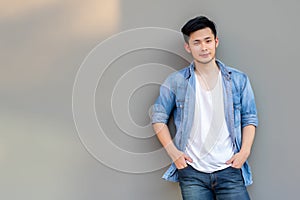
(248, 134)
(164, 136)
(240, 158)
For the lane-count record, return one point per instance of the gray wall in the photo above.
(74, 118)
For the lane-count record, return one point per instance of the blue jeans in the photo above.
(226, 184)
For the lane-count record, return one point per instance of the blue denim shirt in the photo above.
(177, 97)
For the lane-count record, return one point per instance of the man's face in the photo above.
(202, 45)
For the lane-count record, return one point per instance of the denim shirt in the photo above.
(177, 97)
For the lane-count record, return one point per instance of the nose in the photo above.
(203, 47)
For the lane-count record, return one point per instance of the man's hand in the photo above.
(238, 159)
(164, 136)
(179, 159)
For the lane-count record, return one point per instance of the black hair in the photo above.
(196, 24)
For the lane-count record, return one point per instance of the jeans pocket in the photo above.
(236, 171)
(183, 169)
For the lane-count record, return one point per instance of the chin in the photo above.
(206, 61)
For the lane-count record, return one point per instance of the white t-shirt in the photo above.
(209, 145)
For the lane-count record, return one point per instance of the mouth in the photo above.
(204, 55)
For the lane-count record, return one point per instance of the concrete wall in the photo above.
(75, 97)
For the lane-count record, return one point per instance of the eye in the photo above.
(208, 41)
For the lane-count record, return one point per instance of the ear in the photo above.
(187, 47)
(217, 42)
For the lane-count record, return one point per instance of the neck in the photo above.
(206, 69)
(207, 74)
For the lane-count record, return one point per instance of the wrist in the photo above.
(173, 152)
(245, 152)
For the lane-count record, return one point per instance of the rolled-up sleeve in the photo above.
(164, 103)
(248, 109)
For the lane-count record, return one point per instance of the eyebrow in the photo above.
(206, 38)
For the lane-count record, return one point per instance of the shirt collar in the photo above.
(224, 70)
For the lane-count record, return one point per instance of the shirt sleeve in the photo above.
(164, 103)
(248, 108)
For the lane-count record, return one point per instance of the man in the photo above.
(215, 118)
